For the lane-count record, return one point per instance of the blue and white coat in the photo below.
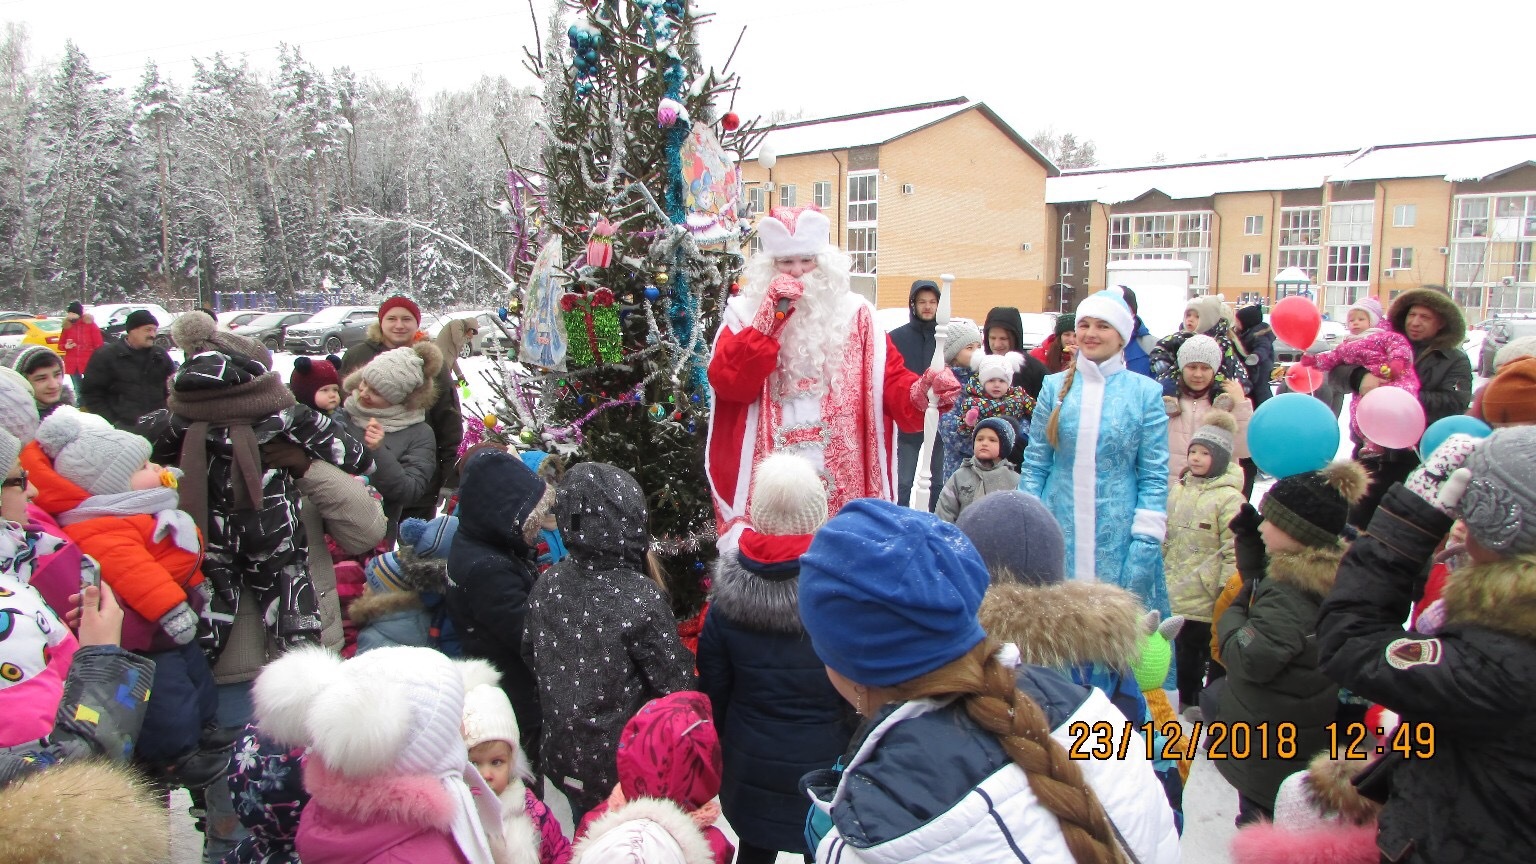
(1110, 499)
(927, 756)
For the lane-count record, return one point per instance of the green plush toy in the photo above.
(1156, 658)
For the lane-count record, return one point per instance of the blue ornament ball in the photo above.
(502, 313)
(1445, 427)
(652, 293)
(1293, 433)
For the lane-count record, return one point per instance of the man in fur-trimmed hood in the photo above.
(1435, 327)
(1465, 692)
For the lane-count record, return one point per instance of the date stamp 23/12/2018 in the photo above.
(1169, 741)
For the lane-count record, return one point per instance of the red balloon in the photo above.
(730, 122)
(1296, 320)
(1303, 379)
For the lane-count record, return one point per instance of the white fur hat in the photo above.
(488, 714)
(794, 231)
(996, 367)
(390, 711)
(643, 831)
(788, 498)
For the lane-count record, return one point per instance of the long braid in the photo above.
(993, 700)
(1061, 399)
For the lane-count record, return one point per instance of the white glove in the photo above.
(180, 623)
(1441, 481)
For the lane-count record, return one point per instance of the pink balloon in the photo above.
(1391, 417)
(1296, 320)
(1303, 379)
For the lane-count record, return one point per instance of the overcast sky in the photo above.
(1189, 79)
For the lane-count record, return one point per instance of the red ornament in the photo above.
(735, 288)
(567, 302)
(730, 122)
(602, 297)
(677, 415)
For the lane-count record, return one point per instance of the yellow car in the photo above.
(32, 331)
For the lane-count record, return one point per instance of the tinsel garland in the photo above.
(572, 433)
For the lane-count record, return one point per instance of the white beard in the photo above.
(812, 341)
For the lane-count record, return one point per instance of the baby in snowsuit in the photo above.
(244, 442)
(1373, 344)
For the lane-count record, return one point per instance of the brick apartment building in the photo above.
(1377, 221)
(912, 192)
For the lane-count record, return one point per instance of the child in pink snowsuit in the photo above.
(1373, 344)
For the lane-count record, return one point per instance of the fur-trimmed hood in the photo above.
(664, 814)
(754, 602)
(377, 605)
(1330, 785)
(1499, 596)
(1065, 624)
(1312, 570)
(412, 800)
(72, 813)
(425, 395)
(1455, 331)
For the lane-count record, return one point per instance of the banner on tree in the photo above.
(714, 188)
(543, 327)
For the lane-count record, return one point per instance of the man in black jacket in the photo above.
(915, 340)
(1459, 775)
(1435, 327)
(126, 378)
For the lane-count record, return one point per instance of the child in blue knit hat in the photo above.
(550, 546)
(985, 471)
(956, 726)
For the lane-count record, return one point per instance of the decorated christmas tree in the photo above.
(627, 244)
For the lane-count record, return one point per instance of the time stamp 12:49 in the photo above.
(1168, 740)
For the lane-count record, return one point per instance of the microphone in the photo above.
(781, 309)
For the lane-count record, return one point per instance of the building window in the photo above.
(1405, 215)
(1402, 257)
(1066, 232)
(1165, 236)
(1349, 252)
(821, 193)
(757, 199)
(1252, 263)
(861, 247)
(863, 193)
(1066, 267)
(787, 195)
(1253, 225)
(755, 245)
(1494, 239)
(1304, 260)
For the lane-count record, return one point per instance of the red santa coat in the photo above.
(859, 419)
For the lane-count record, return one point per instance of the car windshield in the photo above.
(48, 325)
(331, 315)
(271, 319)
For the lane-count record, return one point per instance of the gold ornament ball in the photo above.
(663, 277)
(490, 421)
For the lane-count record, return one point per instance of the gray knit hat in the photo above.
(961, 332)
(18, 408)
(395, 374)
(1499, 505)
(1200, 348)
(10, 450)
(196, 332)
(89, 453)
(1018, 538)
(1216, 434)
(19, 357)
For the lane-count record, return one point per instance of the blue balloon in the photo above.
(1293, 433)
(1445, 427)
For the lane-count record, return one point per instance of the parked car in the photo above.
(12, 313)
(110, 317)
(332, 330)
(238, 317)
(1038, 327)
(1328, 336)
(271, 328)
(32, 331)
(1498, 333)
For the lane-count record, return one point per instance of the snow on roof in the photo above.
(1456, 161)
(858, 130)
(1199, 180)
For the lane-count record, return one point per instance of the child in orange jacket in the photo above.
(121, 509)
